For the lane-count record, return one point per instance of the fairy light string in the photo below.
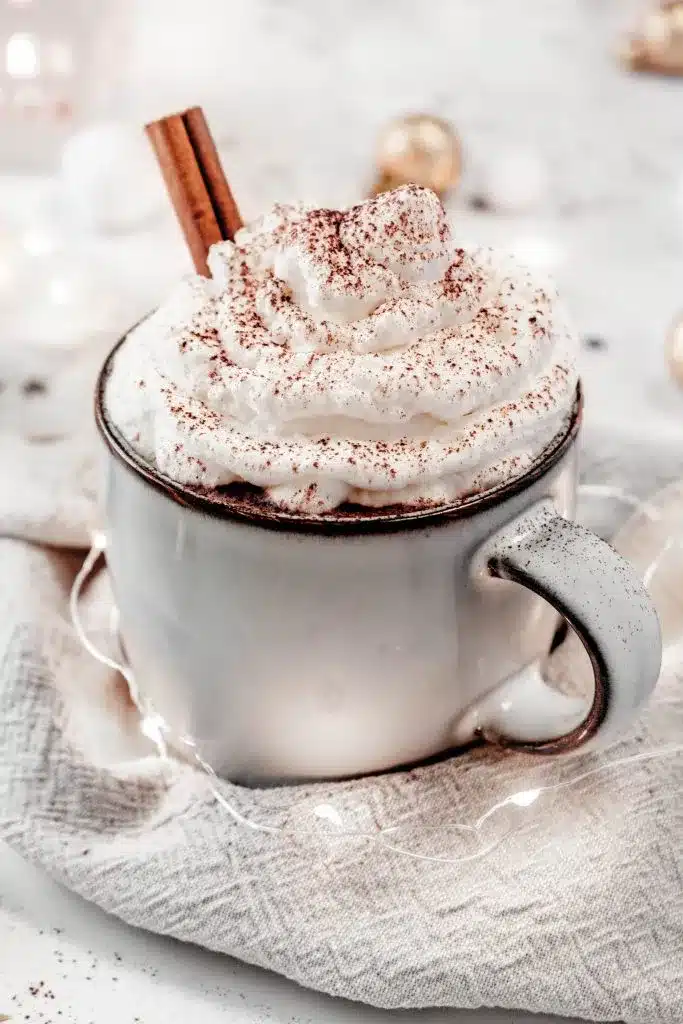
(157, 730)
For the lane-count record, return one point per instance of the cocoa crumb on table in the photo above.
(34, 386)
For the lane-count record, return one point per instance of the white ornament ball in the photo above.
(109, 177)
(40, 239)
(11, 257)
(516, 182)
(71, 301)
(542, 254)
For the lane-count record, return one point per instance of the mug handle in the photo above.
(601, 597)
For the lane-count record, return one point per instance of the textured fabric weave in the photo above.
(576, 908)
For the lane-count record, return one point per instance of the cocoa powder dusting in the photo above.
(391, 349)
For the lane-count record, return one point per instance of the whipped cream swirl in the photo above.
(349, 356)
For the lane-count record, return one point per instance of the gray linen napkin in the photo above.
(570, 905)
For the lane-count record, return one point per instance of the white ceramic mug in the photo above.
(292, 648)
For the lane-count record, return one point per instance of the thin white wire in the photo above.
(151, 724)
(607, 491)
(98, 546)
(154, 727)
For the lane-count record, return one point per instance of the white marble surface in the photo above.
(65, 962)
(297, 104)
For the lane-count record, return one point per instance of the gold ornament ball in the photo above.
(663, 29)
(674, 349)
(659, 46)
(419, 149)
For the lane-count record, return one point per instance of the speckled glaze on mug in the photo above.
(293, 648)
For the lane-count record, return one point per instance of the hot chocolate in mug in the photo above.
(292, 647)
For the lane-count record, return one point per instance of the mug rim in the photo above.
(289, 522)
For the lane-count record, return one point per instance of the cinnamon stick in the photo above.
(195, 180)
(222, 199)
